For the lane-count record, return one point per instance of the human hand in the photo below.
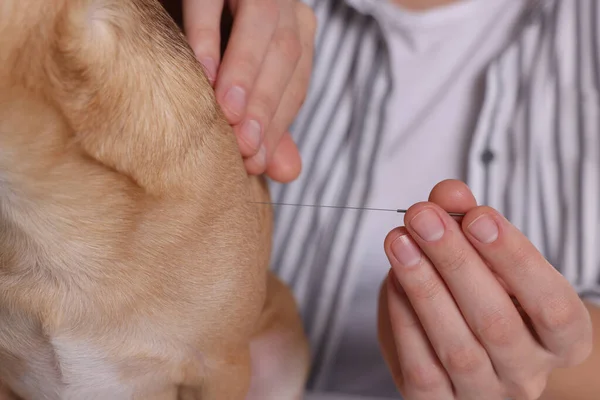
(262, 80)
(472, 310)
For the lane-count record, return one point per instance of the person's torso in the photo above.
(438, 59)
(400, 101)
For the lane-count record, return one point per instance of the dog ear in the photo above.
(131, 89)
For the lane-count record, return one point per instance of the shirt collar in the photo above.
(392, 16)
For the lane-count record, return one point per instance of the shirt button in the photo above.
(487, 156)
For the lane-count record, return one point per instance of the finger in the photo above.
(385, 335)
(557, 313)
(202, 20)
(254, 24)
(254, 164)
(286, 164)
(272, 81)
(520, 362)
(453, 196)
(422, 375)
(295, 93)
(459, 351)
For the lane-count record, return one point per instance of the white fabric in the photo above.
(438, 63)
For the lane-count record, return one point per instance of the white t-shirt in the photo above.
(438, 60)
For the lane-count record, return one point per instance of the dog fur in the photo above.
(132, 265)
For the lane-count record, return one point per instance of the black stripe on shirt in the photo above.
(356, 134)
(554, 67)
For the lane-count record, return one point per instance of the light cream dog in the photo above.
(132, 265)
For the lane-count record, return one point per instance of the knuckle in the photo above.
(455, 261)
(463, 360)
(264, 105)
(578, 352)
(557, 314)
(582, 345)
(530, 389)
(497, 329)
(521, 259)
(424, 378)
(288, 43)
(269, 10)
(426, 289)
(306, 18)
(297, 94)
(245, 63)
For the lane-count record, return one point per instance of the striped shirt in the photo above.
(534, 154)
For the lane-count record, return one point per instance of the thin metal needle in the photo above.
(396, 210)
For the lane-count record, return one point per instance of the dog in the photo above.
(133, 263)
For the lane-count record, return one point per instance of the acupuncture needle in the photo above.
(395, 210)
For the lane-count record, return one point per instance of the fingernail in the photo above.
(235, 100)
(251, 132)
(484, 229)
(428, 225)
(210, 67)
(406, 251)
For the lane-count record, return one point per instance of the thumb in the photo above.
(453, 195)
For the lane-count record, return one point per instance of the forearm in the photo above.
(581, 382)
